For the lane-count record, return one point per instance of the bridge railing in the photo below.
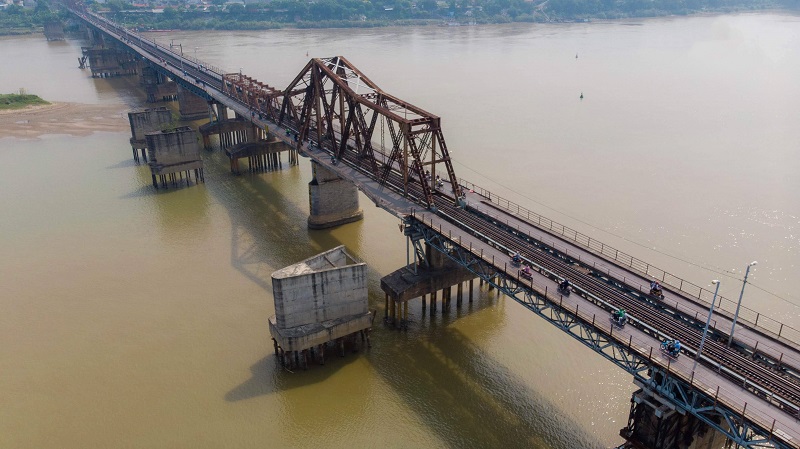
(196, 61)
(642, 347)
(703, 296)
(111, 27)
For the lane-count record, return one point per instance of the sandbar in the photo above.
(74, 119)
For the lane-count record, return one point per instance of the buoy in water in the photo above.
(581, 95)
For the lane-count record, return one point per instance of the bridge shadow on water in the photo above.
(125, 163)
(461, 391)
(462, 394)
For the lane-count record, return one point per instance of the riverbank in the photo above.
(73, 119)
(202, 21)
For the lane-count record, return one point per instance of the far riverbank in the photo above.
(224, 21)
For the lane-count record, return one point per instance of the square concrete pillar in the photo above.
(173, 147)
(191, 106)
(332, 200)
(148, 121)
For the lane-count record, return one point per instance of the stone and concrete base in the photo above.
(319, 302)
(262, 155)
(163, 91)
(146, 121)
(654, 423)
(173, 153)
(307, 336)
(107, 62)
(191, 106)
(332, 200)
(405, 284)
(54, 30)
(173, 174)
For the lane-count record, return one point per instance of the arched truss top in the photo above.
(334, 105)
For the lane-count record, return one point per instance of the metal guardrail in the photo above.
(750, 317)
(727, 403)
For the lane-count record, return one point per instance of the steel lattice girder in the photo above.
(643, 368)
(253, 93)
(338, 105)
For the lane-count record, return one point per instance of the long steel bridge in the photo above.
(746, 387)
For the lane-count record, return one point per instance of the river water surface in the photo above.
(132, 318)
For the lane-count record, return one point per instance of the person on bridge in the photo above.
(526, 271)
(620, 315)
(564, 285)
(676, 348)
(655, 286)
(516, 258)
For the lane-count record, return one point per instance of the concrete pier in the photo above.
(54, 30)
(262, 155)
(191, 106)
(405, 284)
(143, 122)
(230, 131)
(332, 200)
(156, 85)
(319, 302)
(105, 62)
(173, 154)
(654, 423)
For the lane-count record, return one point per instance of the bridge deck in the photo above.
(721, 321)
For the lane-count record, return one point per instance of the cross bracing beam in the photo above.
(751, 382)
(635, 358)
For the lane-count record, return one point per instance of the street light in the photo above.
(705, 331)
(739, 304)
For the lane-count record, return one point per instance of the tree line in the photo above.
(366, 13)
(15, 19)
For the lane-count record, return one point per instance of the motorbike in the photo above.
(516, 261)
(657, 292)
(619, 322)
(665, 349)
(526, 273)
(564, 290)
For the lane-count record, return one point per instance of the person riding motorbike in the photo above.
(516, 257)
(676, 348)
(673, 347)
(655, 286)
(526, 271)
(620, 316)
(564, 285)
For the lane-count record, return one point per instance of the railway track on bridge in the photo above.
(782, 391)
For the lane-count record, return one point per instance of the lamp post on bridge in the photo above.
(705, 330)
(739, 304)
